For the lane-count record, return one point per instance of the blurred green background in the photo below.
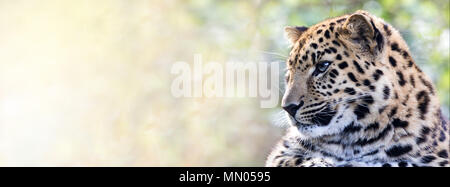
(87, 83)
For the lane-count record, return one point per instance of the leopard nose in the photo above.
(292, 108)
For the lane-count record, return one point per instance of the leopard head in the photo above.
(335, 74)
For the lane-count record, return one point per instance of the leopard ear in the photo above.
(358, 30)
(358, 26)
(294, 33)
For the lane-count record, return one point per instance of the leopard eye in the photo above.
(322, 66)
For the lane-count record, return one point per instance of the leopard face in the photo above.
(335, 75)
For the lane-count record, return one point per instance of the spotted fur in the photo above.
(355, 97)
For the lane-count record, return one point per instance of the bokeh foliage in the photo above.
(88, 82)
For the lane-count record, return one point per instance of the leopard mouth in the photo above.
(299, 124)
(322, 118)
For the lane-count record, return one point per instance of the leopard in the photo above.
(355, 97)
